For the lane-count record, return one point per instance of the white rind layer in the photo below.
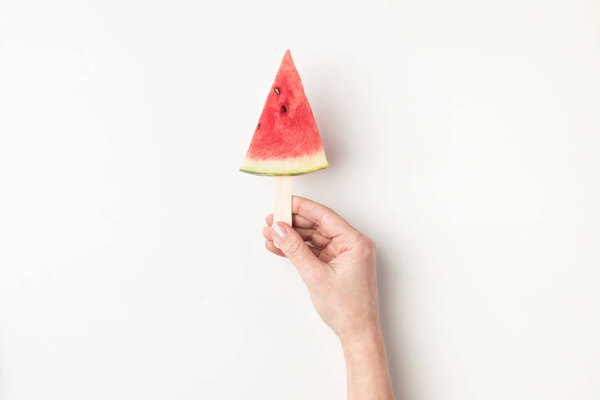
(286, 166)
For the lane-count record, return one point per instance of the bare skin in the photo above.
(337, 264)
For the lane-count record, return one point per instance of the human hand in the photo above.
(337, 265)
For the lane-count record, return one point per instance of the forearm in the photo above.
(367, 370)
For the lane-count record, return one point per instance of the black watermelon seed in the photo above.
(258, 126)
(276, 90)
(283, 109)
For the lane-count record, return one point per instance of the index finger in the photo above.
(325, 220)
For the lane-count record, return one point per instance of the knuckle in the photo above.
(372, 245)
(365, 243)
(294, 249)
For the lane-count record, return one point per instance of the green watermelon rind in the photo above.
(285, 166)
(283, 174)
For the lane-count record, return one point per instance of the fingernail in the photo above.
(279, 231)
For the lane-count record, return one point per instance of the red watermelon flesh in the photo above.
(286, 139)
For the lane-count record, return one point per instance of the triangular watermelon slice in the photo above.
(286, 140)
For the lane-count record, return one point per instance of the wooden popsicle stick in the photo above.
(283, 200)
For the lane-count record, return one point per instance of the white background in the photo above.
(462, 137)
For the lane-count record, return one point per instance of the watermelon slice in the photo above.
(286, 140)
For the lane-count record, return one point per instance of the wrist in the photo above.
(365, 340)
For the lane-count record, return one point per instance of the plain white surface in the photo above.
(462, 136)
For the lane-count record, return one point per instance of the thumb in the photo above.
(294, 248)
